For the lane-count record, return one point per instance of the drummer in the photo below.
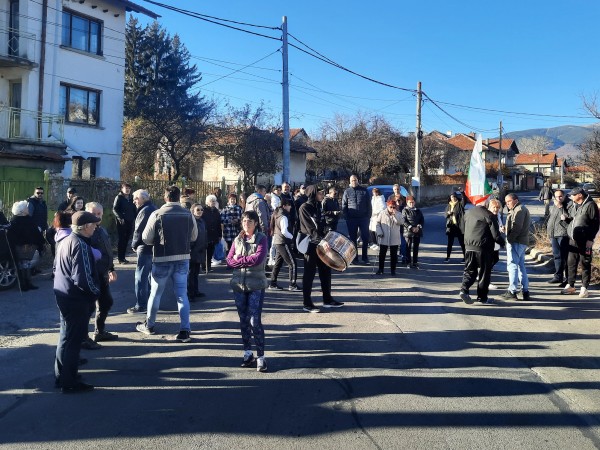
(311, 225)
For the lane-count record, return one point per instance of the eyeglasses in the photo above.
(39, 193)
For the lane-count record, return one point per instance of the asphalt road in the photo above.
(405, 364)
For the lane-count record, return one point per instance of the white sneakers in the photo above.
(583, 293)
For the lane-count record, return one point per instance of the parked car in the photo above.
(8, 269)
(387, 190)
(590, 188)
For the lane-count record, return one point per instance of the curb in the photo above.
(538, 256)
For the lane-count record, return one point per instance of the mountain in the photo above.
(565, 139)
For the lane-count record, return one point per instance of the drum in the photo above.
(341, 253)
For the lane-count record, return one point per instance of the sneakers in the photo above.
(78, 388)
(183, 336)
(568, 290)
(525, 296)
(261, 365)
(248, 360)
(374, 247)
(135, 310)
(275, 287)
(105, 336)
(143, 327)
(509, 295)
(333, 304)
(311, 309)
(465, 297)
(584, 293)
(294, 288)
(492, 287)
(89, 344)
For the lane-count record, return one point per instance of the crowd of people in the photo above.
(258, 234)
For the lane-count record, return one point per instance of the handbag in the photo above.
(302, 243)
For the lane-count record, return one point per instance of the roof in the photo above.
(38, 155)
(578, 169)
(130, 6)
(525, 159)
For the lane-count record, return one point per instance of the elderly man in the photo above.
(170, 230)
(356, 206)
(582, 217)
(256, 202)
(76, 287)
(145, 207)
(517, 226)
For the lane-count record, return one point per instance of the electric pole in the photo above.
(419, 135)
(286, 106)
(500, 177)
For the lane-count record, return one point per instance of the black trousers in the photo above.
(393, 257)
(103, 304)
(577, 255)
(284, 253)
(193, 279)
(125, 232)
(412, 249)
(461, 242)
(478, 263)
(311, 263)
(210, 251)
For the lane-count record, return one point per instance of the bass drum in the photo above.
(341, 253)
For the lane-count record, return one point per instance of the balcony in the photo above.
(30, 126)
(17, 48)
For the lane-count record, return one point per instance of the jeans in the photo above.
(354, 225)
(161, 272)
(560, 251)
(74, 319)
(249, 306)
(515, 264)
(142, 280)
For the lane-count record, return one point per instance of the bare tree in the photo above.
(534, 145)
(590, 149)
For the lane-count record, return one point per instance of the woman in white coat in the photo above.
(389, 222)
(377, 205)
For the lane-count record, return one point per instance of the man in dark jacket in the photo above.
(170, 230)
(76, 287)
(71, 192)
(331, 210)
(125, 213)
(545, 196)
(356, 206)
(312, 226)
(583, 221)
(145, 207)
(106, 274)
(257, 203)
(38, 209)
(481, 233)
(557, 233)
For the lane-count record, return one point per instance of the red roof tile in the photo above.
(523, 159)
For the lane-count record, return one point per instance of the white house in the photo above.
(61, 85)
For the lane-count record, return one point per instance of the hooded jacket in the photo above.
(257, 203)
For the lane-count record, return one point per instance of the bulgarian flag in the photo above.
(477, 189)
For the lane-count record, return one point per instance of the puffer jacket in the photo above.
(413, 217)
(583, 221)
(248, 271)
(388, 228)
(356, 203)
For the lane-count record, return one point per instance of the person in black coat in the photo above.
(197, 253)
(26, 236)
(125, 213)
(413, 231)
(331, 210)
(455, 212)
(214, 232)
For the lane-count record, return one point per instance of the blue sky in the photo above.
(529, 56)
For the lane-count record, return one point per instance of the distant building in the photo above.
(61, 86)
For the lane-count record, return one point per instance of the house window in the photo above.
(81, 33)
(79, 105)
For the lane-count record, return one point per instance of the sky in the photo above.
(528, 60)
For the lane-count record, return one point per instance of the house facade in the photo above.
(545, 164)
(215, 167)
(61, 85)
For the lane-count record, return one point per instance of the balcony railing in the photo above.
(22, 124)
(16, 46)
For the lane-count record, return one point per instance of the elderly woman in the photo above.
(247, 256)
(377, 206)
(27, 239)
(212, 220)
(388, 232)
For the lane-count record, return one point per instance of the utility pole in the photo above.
(500, 177)
(418, 136)
(286, 105)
